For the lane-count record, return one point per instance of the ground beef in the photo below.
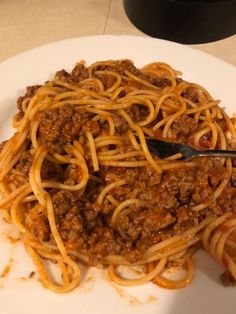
(37, 223)
(91, 126)
(128, 65)
(167, 199)
(216, 172)
(69, 220)
(168, 190)
(185, 219)
(60, 126)
(71, 228)
(72, 175)
(175, 191)
(63, 75)
(52, 171)
(227, 199)
(102, 242)
(202, 190)
(25, 162)
(2, 145)
(140, 230)
(49, 169)
(85, 226)
(92, 216)
(106, 79)
(184, 126)
(155, 80)
(78, 74)
(191, 94)
(227, 279)
(233, 179)
(121, 125)
(30, 92)
(62, 201)
(133, 254)
(137, 112)
(183, 214)
(158, 195)
(153, 220)
(120, 66)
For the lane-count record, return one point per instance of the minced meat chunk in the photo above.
(191, 94)
(121, 125)
(37, 223)
(62, 202)
(2, 145)
(107, 79)
(233, 179)
(155, 80)
(30, 92)
(25, 162)
(120, 66)
(63, 75)
(102, 242)
(71, 228)
(227, 279)
(184, 126)
(51, 171)
(60, 126)
(78, 74)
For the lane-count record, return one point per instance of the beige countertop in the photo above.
(25, 24)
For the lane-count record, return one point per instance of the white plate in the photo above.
(97, 295)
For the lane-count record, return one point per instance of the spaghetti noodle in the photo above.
(79, 182)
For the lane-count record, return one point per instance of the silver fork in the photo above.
(166, 149)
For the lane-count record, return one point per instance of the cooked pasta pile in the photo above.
(79, 182)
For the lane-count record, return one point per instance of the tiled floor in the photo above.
(25, 24)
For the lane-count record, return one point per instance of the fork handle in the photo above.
(216, 153)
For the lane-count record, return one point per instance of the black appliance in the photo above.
(184, 21)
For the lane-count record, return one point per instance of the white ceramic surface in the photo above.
(96, 295)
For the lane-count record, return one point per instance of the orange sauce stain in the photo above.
(128, 297)
(12, 239)
(89, 279)
(132, 299)
(7, 269)
(86, 286)
(122, 293)
(151, 298)
(30, 276)
(23, 278)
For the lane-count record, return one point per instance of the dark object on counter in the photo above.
(184, 21)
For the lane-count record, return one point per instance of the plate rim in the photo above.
(124, 36)
(194, 52)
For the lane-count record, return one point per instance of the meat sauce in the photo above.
(82, 223)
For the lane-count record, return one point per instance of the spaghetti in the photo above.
(79, 182)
